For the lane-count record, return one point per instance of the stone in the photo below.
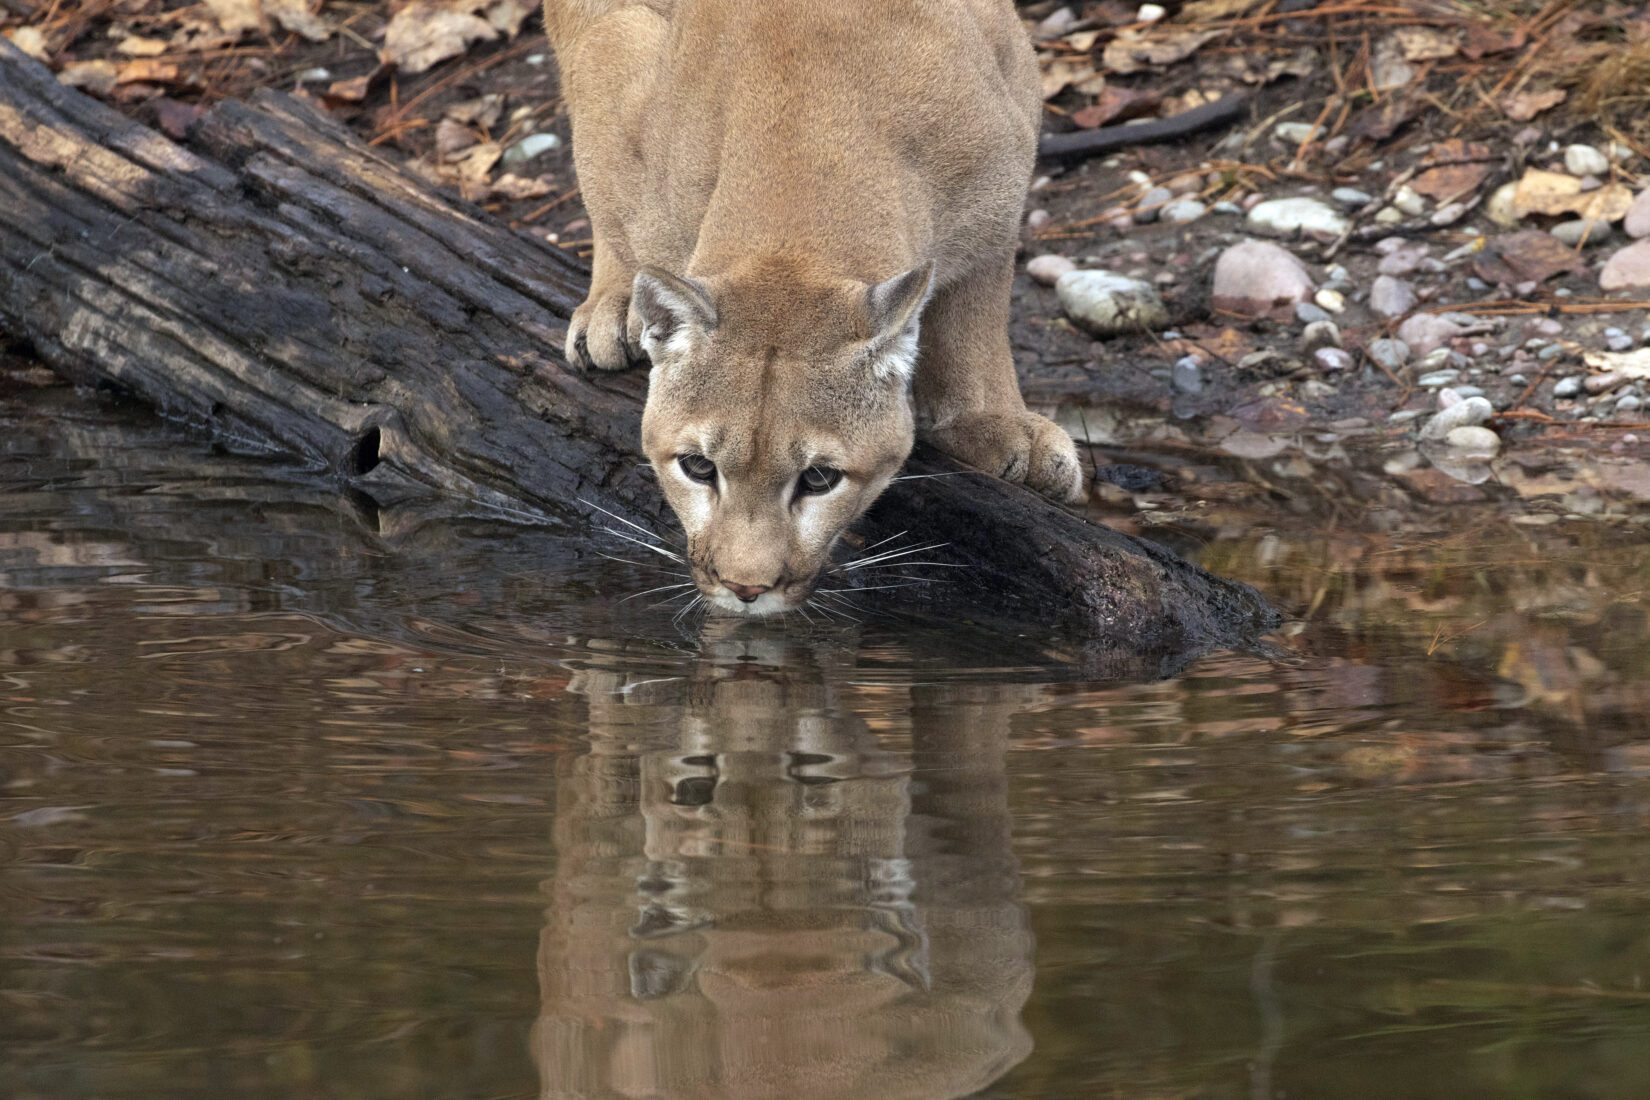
(1469, 412)
(1391, 297)
(1105, 303)
(1426, 332)
(1151, 13)
(1391, 354)
(1351, 197)
(531, 146)
(1332, 359)
(1474, 438)
(1333, 301)
(1182, 212)
(1056, 23)
(1293, 133)
(1187, 375)
(1449, 214)
(1618, 341)
(1038, 219)
(1502, 208)
(1637, 222)
(1567, 388)
(1388, 215)
(1308, 313)
(1584, 160)
(1252, 278)
(1627, 269)
(1302, 216)
(1152, 203)
(1433, 379)
(1603, 383)
(1047, 269)
(1320, 334)
(1581, 231)
(1409, 202)
(1401, 258)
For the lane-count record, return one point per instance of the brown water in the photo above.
(289, 808)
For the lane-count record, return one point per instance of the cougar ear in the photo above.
(672, 309)
(894, 309)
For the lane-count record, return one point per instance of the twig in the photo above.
(1089, 143)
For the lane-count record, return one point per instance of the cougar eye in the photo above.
(818, 479)
(698, 467)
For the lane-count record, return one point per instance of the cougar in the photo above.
(805, 215)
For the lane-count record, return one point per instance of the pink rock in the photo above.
(1629, 268)
(1048, 269)
(1426, 332)
(1252, 278)
(1391, 297)
(1638, 216)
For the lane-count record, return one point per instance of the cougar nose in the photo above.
(746, 592)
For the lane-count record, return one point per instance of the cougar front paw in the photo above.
(1018, 446)
(596, 336)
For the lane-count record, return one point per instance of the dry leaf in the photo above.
(1059, 73)
(1390, 69)
(483, 111)
(1425, 43)
(1484, 39)
(1458, 167)
(1207, 11)
(1133, 53)
(148, 71)
(1541, 192)
(1631, 364)
(1082, 41)
(1524, 106)
(427, 32)
(1526, 256)
(96, 77)
(475, 164)
(31, 40)
(237, 17)
(1609, 203)
(301, 17)
(138, 46)
(452, 136)
(1114, 103)
(353, 90)
(511, 186)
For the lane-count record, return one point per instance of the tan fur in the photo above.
(780, 193)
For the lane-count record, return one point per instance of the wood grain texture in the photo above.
(277, 283)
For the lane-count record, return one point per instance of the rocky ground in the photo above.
(1430, 231)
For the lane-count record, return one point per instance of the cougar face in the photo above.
(777, 412)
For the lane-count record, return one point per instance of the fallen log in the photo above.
(276, 282)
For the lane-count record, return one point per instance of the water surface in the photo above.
(298, 801)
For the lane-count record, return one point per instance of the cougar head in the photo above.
(778, 409)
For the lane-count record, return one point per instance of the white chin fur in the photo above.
(768, 603)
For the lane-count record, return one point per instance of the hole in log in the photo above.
(364, 455)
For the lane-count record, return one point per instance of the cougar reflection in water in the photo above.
(757, 894)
